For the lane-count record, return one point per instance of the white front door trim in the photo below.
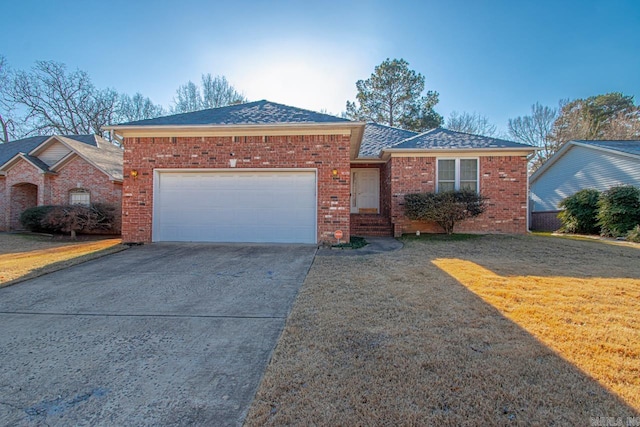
(365, 189)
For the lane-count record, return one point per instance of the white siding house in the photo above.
(578, 165)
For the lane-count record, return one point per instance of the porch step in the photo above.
(373, 225)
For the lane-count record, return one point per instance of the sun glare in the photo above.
(299, 74)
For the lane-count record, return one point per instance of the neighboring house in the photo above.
(576, 166)
(57, 170)
(266, 172)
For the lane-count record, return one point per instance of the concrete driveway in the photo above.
(163, 334)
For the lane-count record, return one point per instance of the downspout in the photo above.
(529, 157)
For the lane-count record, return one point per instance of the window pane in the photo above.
(469, 185)
(446, 170)
(79, 197)
(446, 186)
(468, 170)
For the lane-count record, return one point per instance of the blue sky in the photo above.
(492, 57)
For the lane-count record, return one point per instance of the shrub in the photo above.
(619, 210)
(77, 218)
(444, 208)
(31, 219)
(579, 212)
(634, 234)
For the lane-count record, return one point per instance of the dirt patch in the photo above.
(394, 339)
(24, 256)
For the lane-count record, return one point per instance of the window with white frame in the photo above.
(79, 196)
(457, 174)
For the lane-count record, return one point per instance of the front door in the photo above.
(365, 191)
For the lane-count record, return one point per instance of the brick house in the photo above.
(266, 172)
(57, 170)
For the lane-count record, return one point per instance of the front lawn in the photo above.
(24, 256)
(491, 330)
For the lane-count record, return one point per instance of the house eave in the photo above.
(566, 147)
(4, 168)
(354, 130)
(447, 152)
(368, 160)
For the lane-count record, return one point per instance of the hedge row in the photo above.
(614, 213)
(70, 219)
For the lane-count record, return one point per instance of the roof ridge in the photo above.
(390, 127)
(605, 140)
(417, 135)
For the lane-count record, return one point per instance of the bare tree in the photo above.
(187, 98)
(536, 130)
(137, 107)
(608, 116)
(57, 101)
(625, 125)
(215, 92)
(218, 92)
(471, 123)
(7, 123)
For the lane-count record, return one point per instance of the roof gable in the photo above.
(98, 152)
(252, 113)
(377, 137)
(629, 148)
(9, 149)
(440, 138)
(623, 146)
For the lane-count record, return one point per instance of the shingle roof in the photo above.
(376, 137)
(440, 138)
(629, 147)
(252, 113)
(9, 149)
(37, 162)
(104, 155)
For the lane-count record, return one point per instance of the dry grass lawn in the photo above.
(26, 256)
(493, 330)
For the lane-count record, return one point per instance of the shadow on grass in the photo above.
(392, 338)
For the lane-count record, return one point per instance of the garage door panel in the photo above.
(244, 206)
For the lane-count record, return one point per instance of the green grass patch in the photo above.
(355, 243)
(439, 237)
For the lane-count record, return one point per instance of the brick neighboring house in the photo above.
(266, 172)
(57, 170)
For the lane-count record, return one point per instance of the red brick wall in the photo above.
(54, 189)
(78, 173)
(322, 152)
(503, 179)
(22, 172)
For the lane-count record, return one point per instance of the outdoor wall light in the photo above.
(334, 172)
(133, 173)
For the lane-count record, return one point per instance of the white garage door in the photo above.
(235, 206)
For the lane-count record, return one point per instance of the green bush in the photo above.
(634, 234)
(31, 219)
(445, 208)
(579, 212)
(619, 210)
